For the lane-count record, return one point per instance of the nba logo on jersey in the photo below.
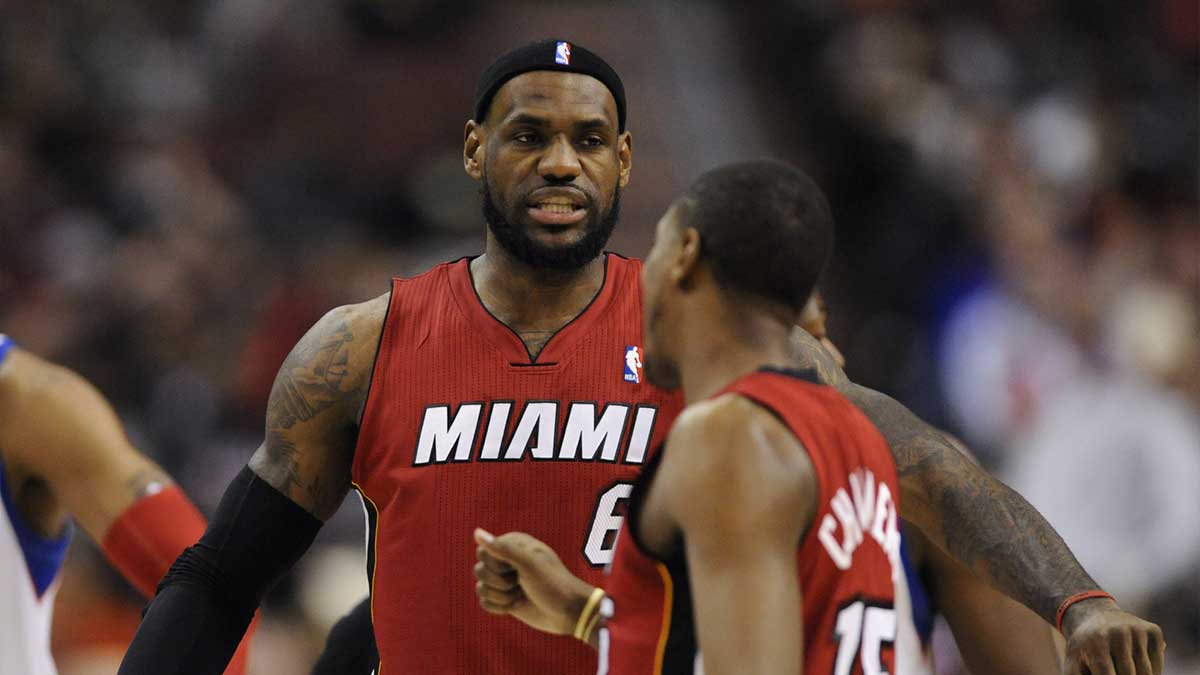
(562, 53)
(633, 365)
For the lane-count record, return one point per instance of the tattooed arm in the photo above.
(315, 406)
(992, 530)
(272, 510)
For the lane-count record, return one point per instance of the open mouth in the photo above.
(559, 209)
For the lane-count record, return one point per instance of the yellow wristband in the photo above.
(590, 609)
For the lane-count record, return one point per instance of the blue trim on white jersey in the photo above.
(43, 556)
(922, 603)
(6, 344)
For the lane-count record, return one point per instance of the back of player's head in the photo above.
(765, 229)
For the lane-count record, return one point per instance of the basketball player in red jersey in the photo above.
(495, 391)
(764, 538)
(63, 456)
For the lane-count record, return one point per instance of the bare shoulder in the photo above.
(734, 447)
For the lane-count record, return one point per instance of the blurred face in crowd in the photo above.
(552, 164)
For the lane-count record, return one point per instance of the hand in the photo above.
(1102, 639)
(523, 577)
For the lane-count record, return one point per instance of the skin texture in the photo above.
(741, 548)
(545, 130)
(315, 406)
(995, 634)
(65, 451)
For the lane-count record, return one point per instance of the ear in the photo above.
(686, 266)
(625, 157)
(473, 140)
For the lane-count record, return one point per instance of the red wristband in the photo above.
(146, 539)
(1066, 604)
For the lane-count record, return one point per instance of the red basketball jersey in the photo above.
(462, 429)
(847, 561)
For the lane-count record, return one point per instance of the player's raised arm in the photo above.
(58, 430)
(994, 532)
(741, 548)
(273, 509)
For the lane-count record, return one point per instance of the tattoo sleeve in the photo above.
(311, 416)
(971, 515)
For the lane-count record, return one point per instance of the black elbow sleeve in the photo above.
(255, 536)
(208, 597)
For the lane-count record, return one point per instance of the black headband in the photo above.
(557, 55)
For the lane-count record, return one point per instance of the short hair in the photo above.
(765, 228)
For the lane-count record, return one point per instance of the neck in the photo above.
(528, 298)
(728, 343)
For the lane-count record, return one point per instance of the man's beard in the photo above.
(517, 242)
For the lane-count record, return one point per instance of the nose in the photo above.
(560, 163)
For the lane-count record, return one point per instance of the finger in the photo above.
(496, 565)
(1100, 664)
(1141, 654)
(495, 597)
(500, 548)
(491, 608)
(1121, 648)
(1157, 647)
(503, 582)
(1073, 664)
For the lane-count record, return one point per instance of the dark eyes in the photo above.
(530, 138)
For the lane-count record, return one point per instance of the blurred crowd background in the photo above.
(186, 186)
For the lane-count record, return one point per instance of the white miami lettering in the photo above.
(588, 435)
(440, 437)
(867, 510)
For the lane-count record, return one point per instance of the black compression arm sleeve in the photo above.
(350, 649)
(207, 599)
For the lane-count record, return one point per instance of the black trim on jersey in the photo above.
(528, 450)
(562, 433)
(806, 374)
(533, 359)
(505, 434)
(547, 364)
(637, 409)
(596, 508)
(474, 442)
(372, 537)
(679, 654)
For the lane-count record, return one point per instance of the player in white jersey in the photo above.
(64, 456)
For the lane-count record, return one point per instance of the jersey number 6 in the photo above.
(606, 521)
